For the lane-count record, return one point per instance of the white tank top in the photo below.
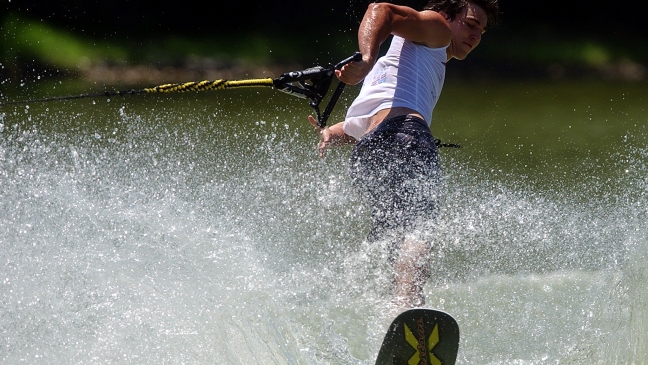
(409, 75)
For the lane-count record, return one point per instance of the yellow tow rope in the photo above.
(209, 85)
(311, 84)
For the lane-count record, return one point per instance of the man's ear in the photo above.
(448, 18)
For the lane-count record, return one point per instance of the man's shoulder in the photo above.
(431, 29)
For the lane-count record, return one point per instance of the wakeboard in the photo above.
(420, 337)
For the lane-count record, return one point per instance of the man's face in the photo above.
(467, 28)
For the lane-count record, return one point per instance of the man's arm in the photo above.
(331, 136)
(426, 27)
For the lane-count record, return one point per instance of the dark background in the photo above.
(120, 18)
(533, 38)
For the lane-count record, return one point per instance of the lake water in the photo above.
(203, 228)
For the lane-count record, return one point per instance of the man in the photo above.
(394, 162)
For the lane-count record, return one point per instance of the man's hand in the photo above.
(325, 136)
(330, 136)
(354, 72)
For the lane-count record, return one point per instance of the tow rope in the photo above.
(438, 143)
(312, 83)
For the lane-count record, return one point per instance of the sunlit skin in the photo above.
(431, 29)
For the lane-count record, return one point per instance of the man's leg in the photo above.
(411, 273)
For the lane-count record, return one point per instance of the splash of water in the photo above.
(153, 237)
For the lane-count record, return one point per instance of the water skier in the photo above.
(394, 163)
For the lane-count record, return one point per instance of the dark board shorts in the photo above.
(396, 168)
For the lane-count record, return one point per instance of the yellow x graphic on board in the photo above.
(421, 347)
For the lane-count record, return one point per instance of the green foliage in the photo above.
(28, 41)
(246, 47)
(31, 40)
(548, 46)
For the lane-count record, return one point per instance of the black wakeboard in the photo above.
(420, 337)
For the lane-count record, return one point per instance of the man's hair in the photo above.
(453, 7)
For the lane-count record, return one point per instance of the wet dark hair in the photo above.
(453, 7)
